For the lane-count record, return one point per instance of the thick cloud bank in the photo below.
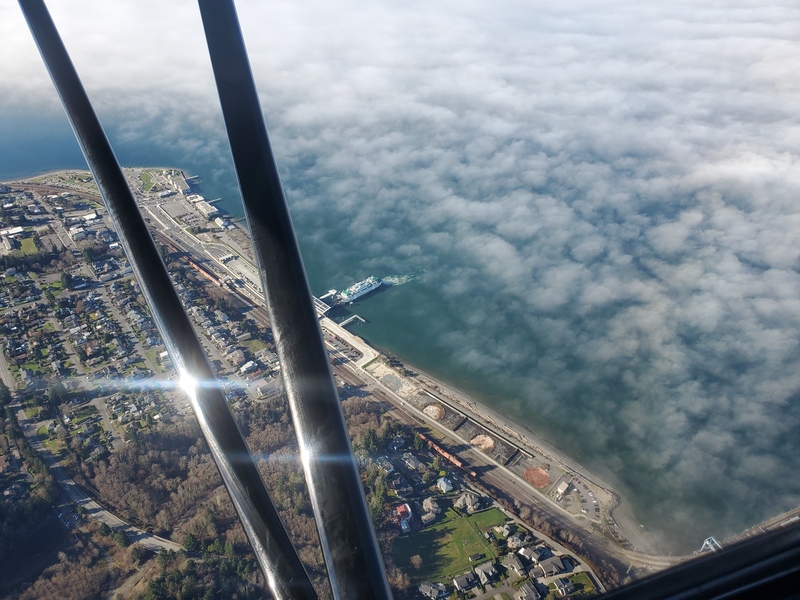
(604, 200)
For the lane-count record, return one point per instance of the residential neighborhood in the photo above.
(92, 379)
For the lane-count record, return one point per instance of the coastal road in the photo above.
(502, 483)
(492, 475)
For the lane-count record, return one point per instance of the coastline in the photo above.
(495, 422)
(619, 509)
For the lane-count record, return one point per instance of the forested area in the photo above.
(18, 520)
(167, 483)
(158, 479)
(86, 570)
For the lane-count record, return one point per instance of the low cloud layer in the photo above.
(604, 201)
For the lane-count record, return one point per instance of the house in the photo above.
(385, 464)
(430, 505)
(468, 502)
(433, 590)
(397, 444)
(465, 581)
(429, 510)
(404, 512)
(237, 358)
(528, 591)
(427, 518)
(564, 587)
(516, 540)
(269, 388)
(514, 564)
(401, 486)
(535, 554)
(486, 572)
(411, 462)
(503, 530)
(404, 515)
(445, 485)
(247, 367)
(551, 566)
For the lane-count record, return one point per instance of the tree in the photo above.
(370, 442)
(121, 538)
(5, 393)
(191, 568)
(67, 281)
(418, 441)
(216, 547)
(136, 554)
(222, 304)
(57, 394)
(416, 562)
(190, 543)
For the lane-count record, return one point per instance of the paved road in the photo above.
(504, 482)
(5, 374)
(79, 497)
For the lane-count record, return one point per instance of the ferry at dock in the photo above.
(357, 290)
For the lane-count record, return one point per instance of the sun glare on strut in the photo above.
(188, 384)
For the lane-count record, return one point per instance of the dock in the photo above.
(350, 320)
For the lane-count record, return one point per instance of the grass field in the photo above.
(27, 245)
(151, 356)
(583, 584)
(146, 181)
(445, 548)
(254, 345)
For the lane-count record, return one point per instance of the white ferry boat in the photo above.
(357, 290)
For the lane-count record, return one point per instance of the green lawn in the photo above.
(488, 519)
(445, 548)
(584, 584)
(584, 587)
(147, 181)
(27, 245)
(254, 345)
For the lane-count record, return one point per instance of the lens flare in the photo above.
(188, 384)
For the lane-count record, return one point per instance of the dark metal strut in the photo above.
(351, 552)
(286, 577)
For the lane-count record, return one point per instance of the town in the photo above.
(465, 505)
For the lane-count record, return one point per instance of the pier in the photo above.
(350, 320)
